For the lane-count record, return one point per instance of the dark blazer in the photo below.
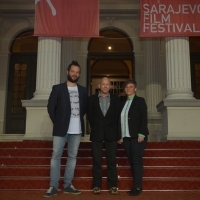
(59, 108)
(104, 127)
(137, 117)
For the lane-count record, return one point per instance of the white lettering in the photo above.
(193, 9)
(146, 8)
(159, 18)
(170, 9)
(161, 28)
(153, 19)
(146, 17)
(198, 8)
(153, 28)
(165, 19)
(173, 28)
(179, 10)
(145, 27)
(194, 28)
(185, 9)
(169, 27)
(187, 28)
(154, 9)
(179, 27)
(162, 8)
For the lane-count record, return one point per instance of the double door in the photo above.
(21, 86)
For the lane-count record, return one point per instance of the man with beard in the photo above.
(67, 105)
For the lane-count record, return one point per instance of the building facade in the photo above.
(162, 68)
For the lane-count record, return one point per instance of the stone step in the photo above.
(183, 144)
(86, 171)
(153, 184)
(47, 152)
(121, 161)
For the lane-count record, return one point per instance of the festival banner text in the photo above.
(165, 18)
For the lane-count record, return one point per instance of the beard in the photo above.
(72, 80)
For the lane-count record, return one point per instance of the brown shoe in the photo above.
(96, 190)
(113, 190)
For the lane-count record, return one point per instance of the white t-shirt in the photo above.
(75, 123)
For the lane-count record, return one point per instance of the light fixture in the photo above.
(109, 48)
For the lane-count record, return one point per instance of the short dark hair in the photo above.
(75, 63)
(129, 81)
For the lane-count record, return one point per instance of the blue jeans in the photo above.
(73, 141)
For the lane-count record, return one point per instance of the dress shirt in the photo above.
(104, 103)
(124, 118)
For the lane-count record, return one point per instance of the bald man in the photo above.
(103, 114)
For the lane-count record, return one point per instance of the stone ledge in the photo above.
(11, 137)
(178, 103)
(34, 103)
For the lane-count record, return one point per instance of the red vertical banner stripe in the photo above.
(67, 18)
(165, 18)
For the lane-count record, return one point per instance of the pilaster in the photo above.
(153, 86)
(68, 52)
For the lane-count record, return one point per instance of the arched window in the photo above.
(111, 56)
(112, 41)
(21, 81)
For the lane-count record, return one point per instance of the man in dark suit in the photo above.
(67, 105)
(103, 113)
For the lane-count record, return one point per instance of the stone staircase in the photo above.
(171, 165)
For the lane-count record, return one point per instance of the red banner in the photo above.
(169, 18)
(67, 18)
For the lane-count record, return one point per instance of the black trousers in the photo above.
(110, 151)
(135, 151)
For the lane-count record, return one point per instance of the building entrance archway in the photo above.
(21, 80)
(111, 56)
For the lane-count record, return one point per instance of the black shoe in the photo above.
(134, 192)
(113, 190)
(71, 190)
(52, 191)
(96, 190)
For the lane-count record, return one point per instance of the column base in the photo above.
(154, 126)
(41, 94)
(180, 119)
(38, 123)
(179, 94)
(11, 137)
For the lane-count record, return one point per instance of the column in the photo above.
(4, 58)
(68, 54)
(153, 86)
(180, 111)
(38, 123)
(48, 66)
(153, 75)
(178, 68)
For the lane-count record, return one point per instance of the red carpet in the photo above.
(172, 165)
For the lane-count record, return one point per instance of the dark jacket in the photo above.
(137, 117)
(59, 108)
(104, 127)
